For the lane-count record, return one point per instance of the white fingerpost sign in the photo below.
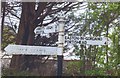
(39, 30)
(88, 40)
(50, 29)
(46, 29)
(32, 50)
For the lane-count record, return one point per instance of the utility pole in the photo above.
(60, 45)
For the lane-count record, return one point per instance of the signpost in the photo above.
(32, 50)
(43, 50)
(46, 29)
(60, 45)
(87, 40)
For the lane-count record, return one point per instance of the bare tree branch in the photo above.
(13, 14)
(54, 19)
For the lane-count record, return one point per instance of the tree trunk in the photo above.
(25, 35)
(3, 19)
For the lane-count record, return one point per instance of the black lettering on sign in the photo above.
(50, 27)
(25, 49)
(87, 38)
(69, 41)
(82, 42)
(93, 38)
(79, 42)
(81, 38)
(100, 38)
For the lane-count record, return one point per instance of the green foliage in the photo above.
(104, 59)
(96, 72)
(73, 68)
(7, 37)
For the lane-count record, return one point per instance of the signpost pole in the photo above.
(60, 45)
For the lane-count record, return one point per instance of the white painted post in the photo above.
(61, 38)
(60, 45)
